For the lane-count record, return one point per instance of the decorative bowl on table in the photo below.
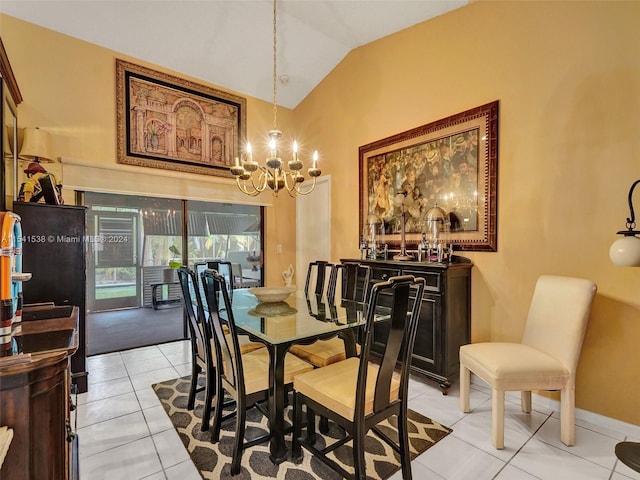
(271, 294)
(272, 309)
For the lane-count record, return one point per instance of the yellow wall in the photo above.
(567, 75)
(68, 88)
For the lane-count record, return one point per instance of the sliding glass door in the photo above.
(136, 240)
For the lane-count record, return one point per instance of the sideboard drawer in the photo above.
(378, 274)
(433, 280)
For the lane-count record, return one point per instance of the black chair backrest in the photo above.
(215, 286)
(193, 306)
(318, 276)
(352, 280)
(403, 295)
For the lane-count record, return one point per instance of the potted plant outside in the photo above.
(168, 274)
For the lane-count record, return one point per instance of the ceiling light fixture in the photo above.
(272, 174)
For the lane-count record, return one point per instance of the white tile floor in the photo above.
(125, 434)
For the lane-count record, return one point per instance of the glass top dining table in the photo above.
(299, 319)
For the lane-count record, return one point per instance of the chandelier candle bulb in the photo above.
(296, 164)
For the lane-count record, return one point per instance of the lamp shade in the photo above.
(36, 145)
(625, 251)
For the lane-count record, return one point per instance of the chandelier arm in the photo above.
(243, 188)
(289, 175)
(262, 180)
(299, 190)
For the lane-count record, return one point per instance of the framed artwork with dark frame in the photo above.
(171, 123)
(451, 163)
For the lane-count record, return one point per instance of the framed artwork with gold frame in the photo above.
(451, 163)
(171, 123)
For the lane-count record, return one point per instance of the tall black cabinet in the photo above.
(53, 250)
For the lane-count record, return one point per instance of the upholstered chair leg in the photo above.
(465, 381)
(568, 416)
(525, 401)
(497, 418)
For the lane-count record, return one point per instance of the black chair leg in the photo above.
(403, 437)
(238, 442)
(323, 425)
(296, 448)
(195, 372)
(208, 398)
(217, 413)
(311, 426)
(358, 453)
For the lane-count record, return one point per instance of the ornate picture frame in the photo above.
(171, 123)
(451, 163)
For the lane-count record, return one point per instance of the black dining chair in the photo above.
(351, 281)
(358, 394)
(244, 377)
(224, 267)
(318, 276)
(200, 338)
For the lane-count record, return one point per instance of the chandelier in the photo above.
(273, 174)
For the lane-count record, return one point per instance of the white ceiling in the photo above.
(229, 42)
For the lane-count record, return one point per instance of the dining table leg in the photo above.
(276, 403)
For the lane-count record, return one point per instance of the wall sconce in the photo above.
(625, 251)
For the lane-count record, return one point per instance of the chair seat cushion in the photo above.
(322, 352)
(514, 366)
(256, 369)
(247, 345)
(334, 386)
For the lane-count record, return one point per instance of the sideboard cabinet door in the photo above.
(445, 316)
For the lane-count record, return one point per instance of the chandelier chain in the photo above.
(275, 174)
(275, 57)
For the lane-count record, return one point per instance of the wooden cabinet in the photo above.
(445, 316)
(35, 400)
(53, 251)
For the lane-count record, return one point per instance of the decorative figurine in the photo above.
(288, 276)
(40, 184)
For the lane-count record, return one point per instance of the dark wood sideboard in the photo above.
(35, 400)
(445, 316)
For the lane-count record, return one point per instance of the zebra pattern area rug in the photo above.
(214, 460)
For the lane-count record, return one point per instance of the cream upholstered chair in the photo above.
(546, 359)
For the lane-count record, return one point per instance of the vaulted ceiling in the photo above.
(230, 42)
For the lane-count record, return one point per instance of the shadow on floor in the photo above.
(131, 328)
